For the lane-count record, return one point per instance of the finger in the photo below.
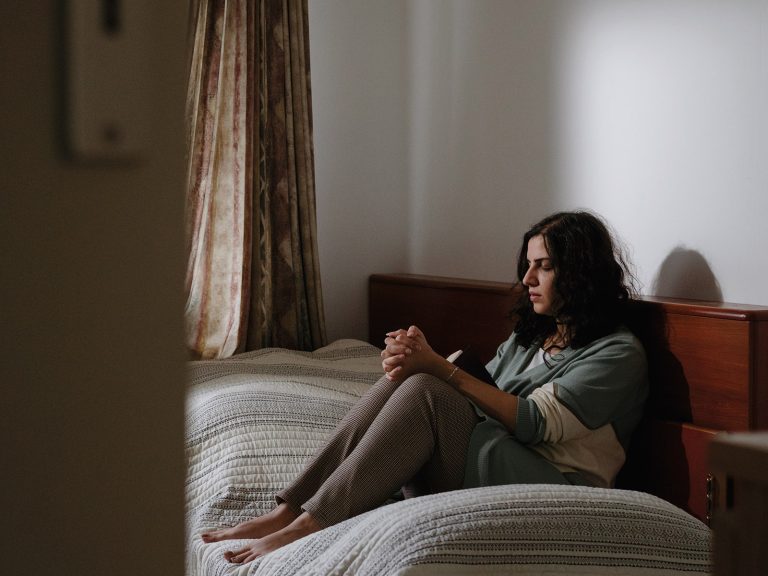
(393, 370)
(398, 340)
(392, 374)
(394, 350)
(393, 361)
(414, 331)
(408, 344)
(398, 349)
(399, 345)
(396, 333)
(405, 346)
(417, 335)
(408, 341)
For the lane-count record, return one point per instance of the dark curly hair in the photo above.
(592, 280)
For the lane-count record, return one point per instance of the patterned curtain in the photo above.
(252, 276)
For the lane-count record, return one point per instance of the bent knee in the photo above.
(419, 382)
(426, 385)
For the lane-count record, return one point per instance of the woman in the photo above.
(571, 385)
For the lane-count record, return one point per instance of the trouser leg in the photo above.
(343, 440)
(421, 433)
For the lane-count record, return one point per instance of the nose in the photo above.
(530, 278)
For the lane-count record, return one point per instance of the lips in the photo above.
(534, 295)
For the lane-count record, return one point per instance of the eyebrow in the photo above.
(539, 260)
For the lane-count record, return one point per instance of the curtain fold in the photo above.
(252, 278)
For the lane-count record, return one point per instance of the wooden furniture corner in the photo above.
(741, 522)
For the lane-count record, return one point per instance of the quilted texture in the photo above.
(255, 418)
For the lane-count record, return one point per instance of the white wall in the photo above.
(359, 85)
(663, 127)
(652, 113)
(480, 133)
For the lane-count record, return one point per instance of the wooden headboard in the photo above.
(708, 364)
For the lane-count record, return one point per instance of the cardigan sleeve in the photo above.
(602, 383)
(530, 425)
(605, 385)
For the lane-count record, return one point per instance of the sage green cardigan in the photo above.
(577, 411)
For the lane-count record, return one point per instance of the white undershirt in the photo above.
(538, 359)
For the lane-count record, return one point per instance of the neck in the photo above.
(558, 340)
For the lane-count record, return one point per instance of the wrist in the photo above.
(445, 370)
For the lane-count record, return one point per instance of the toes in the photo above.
(214, 536)
(242, 556)
(235, 555)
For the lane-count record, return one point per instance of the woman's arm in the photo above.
(407, 352)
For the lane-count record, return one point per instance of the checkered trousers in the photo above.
(412, 434)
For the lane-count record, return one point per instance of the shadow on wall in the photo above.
(686, 274)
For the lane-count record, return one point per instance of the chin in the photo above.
(542, 310)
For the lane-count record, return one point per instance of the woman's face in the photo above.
(540, 278)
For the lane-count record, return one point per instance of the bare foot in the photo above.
(300, 527)
(270, 522)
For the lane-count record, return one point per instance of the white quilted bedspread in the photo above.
(253, 420)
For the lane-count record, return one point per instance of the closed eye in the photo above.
(541, 263)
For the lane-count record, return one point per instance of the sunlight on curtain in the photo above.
(252, 277)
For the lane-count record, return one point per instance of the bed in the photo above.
(254, 419)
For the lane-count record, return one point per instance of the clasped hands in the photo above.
(406, 352)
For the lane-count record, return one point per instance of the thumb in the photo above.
(414, 332)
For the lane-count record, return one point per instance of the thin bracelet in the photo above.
(452, 373)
